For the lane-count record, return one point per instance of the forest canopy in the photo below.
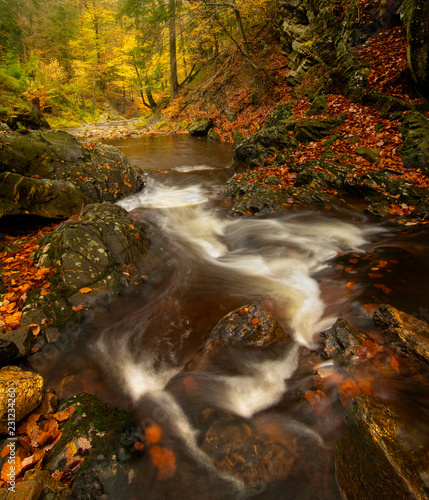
(74, 53)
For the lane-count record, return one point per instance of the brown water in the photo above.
(297, 266)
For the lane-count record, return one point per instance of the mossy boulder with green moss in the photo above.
(415, 148)
(100, 250)
(103, 437)
(58, 174)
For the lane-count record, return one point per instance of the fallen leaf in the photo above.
(85, 290)
(64, 414)
(153, 434)
(165, 461)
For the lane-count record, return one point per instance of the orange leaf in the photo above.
(138, 445)
(255, 321)
(385, 289)
(153, 434)
(77, 308)
(165, 460)
(319, 401)
(65, 414)
(85, 290)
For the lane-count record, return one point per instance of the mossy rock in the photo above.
(415, 148)
(52, 199)
(108, 434)
(100, 173)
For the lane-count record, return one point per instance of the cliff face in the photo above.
(330, 33)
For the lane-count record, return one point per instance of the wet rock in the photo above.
(24, 388)
(213, 136)
(257, 456)
(415, 148)
(200, 128)
(21, 337)
(104, 245)
(247, 328)
(63, 172)
(418, 41)
(281, 115)
(339, 342)
(37, 485)
(103, 437)
(409, 334)
(46, 198)
(378, 456)
(8, 352)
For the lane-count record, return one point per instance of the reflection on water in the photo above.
(305, 269)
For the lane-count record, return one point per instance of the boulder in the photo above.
(101, 249)
(21, 390)
(99, 172)
(409, 334)
(27, 121)
(37, 485)
(200, 128)
(418, 44)
(378, 456)
(248, 328)
(307, 130)
(339, 342)
(53, 199)
(102, 437)
(257, 457)
(257, 148)
(8, 351)
(319, 106)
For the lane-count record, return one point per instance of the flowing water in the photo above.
(296, 266)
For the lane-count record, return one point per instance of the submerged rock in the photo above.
(256, 455)
(377, 456)
(22, 389)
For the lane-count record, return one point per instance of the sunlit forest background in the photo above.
(82, 58)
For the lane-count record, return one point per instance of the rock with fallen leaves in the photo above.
(94, 452)
(98, 253)
(247, 329)
(35, 485)
(409, 334)
(54, 164)
(378, 456)
(20, 392)
(53, 199)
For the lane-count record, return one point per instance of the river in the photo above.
(306, 269)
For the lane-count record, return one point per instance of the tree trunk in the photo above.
(418, 44)
(174, 85)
